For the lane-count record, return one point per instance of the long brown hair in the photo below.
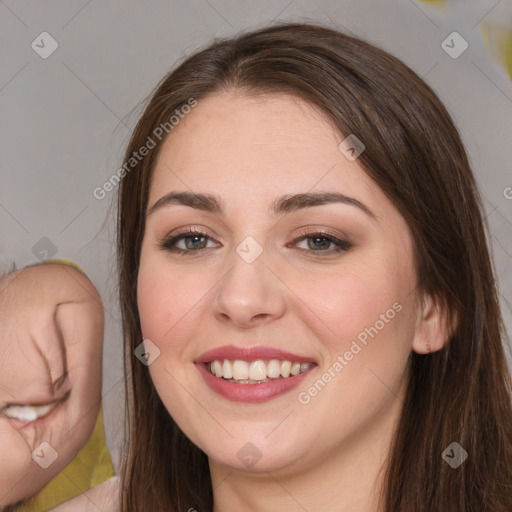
(414, 153)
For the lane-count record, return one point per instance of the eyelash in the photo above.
(340, 245)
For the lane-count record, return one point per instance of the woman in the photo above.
(301, 248)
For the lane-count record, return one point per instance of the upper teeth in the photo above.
(256, 370)
(27, 412)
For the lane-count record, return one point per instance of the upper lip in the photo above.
(250, 354)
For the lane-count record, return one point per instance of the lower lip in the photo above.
(251, 393)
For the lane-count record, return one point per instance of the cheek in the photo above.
(168, 300)
(364, 317)
(340, 306)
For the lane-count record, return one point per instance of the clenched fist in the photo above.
(51, 334)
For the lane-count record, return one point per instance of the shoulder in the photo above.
(105, 497)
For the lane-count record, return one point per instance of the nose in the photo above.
(249, 294)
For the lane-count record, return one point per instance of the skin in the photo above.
(330, 453)
(50, 348)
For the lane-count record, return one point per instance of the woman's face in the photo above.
(275, 276)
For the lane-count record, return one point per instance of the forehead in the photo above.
(239, 146)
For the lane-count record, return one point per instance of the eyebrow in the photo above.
(285, 204)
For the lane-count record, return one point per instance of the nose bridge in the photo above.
(249, 292)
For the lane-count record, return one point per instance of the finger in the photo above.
(50, 344)
(41, 374)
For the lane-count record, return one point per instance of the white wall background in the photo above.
(65, 120)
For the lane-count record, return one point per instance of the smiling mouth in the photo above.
(258, 371)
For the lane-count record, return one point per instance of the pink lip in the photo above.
(250, 393)
(250, 354)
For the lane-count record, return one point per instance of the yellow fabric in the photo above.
(91, 466)
(498, 42)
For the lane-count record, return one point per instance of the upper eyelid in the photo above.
(304, 231)
(304, 234)
(189, 232)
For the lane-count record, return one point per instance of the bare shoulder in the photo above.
(105, 497)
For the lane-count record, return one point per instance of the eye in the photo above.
(322, 242)
(195, 240)
(189, 241)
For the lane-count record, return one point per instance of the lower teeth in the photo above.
(249, 381)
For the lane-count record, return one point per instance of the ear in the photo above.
(433, 325)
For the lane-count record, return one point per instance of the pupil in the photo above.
(325, 245)
(191, 245)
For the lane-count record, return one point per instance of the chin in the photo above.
(255, 457)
